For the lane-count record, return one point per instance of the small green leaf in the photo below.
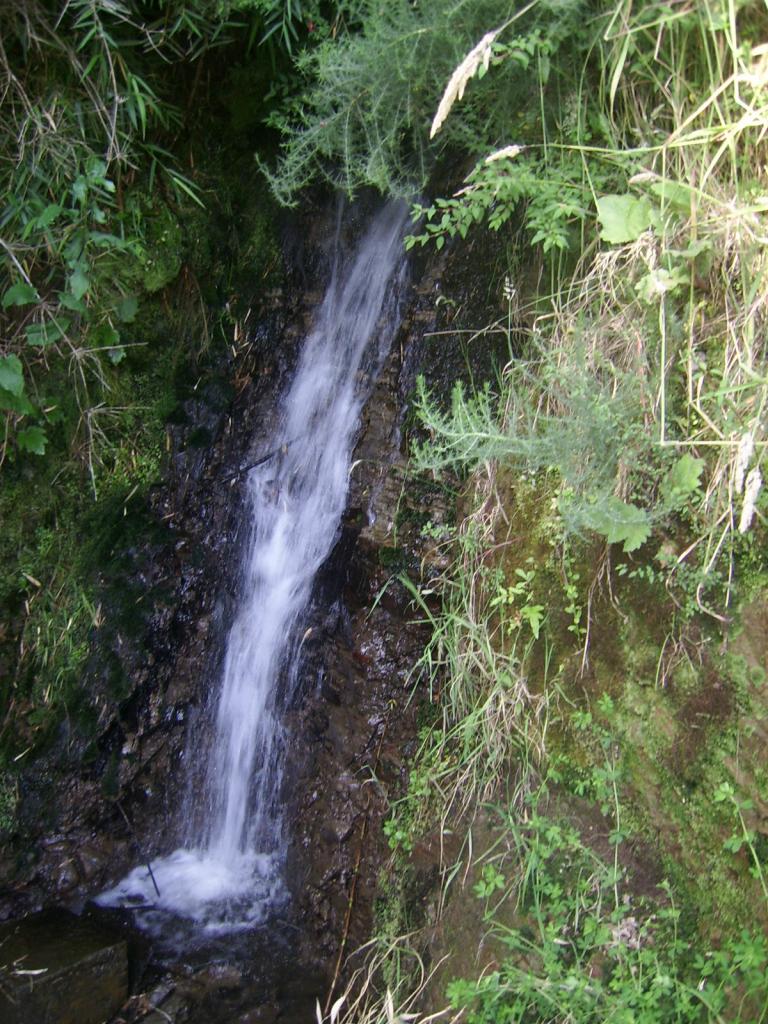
(658, 282)
(36, 335)
(724, 791)
(105, 336)
(49, 215)
(681, 480)
(105, 240)
(32, 439)
(80, 189)
(734, 843)
(20, 294)
(73, 250)
(116, 355)
(47, 333)
(620, 522)
(623, 218)
(693, 249)
(79, 283)
(95, 168)
(11, 374)
(127, 308)
(534, 616)
(19, 404)
(68, 301)
(673, 194)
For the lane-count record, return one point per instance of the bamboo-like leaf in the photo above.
(618, 70)
(185, 185)
(336, 1009)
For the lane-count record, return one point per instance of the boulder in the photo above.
(56, 968)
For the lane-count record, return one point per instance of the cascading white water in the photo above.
(229, 878)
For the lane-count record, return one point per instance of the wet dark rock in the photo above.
(358, 714)
(60, 969)
(172, 1008)
(219, 976)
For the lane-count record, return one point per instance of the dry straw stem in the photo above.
(506, 153)
(477, 56)
(601, 321)
(751, 491)
(363, 1001)
(600, 317)
(481, 54)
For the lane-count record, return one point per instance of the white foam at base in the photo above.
(219, 897)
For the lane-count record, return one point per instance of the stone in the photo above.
(220, 976)
(56, 968)
(91, 858)
(66, 875)
(173, 1008)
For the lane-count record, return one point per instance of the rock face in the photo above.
(61, 969)
(357, 721)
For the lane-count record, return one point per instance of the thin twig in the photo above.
(139, 847)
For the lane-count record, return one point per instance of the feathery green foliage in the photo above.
(363, 118)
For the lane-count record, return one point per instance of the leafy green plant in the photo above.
(491, 881)
(654, 193)
(634, 399)
(553, 191)
(532, 614)
(8, 799)
(589, 439)
(398, 837)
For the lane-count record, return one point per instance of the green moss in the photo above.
(8, 799)
(156, 260)
(59, 534)
(393, 558)
(246, 84)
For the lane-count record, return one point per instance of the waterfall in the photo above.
(230, 877)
